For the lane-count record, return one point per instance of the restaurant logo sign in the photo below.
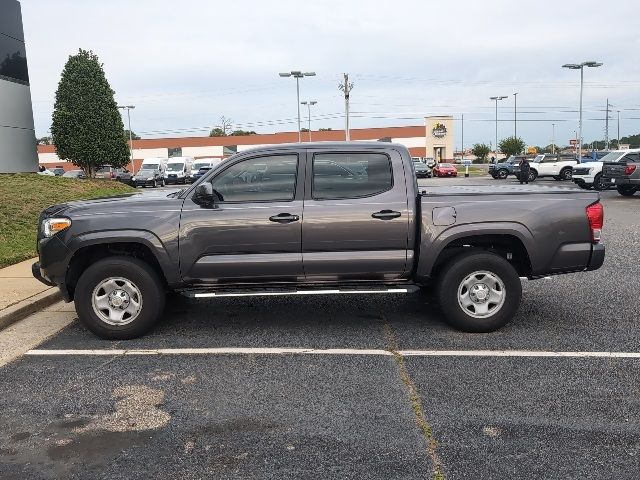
(439, 130)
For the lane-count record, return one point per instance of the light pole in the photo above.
(553, 138)
(618, 142)
(128, 108)
(515, 115)
(309, 104)
(496, 99)
(297, 74)
(580, 66)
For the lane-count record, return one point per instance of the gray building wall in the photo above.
(17, 136)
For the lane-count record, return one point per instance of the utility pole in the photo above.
(515, 115)
(553, 138)
(618, 130)
(606, 127)
(346, 88)
(128, 108)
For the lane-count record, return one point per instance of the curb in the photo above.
(20, 310)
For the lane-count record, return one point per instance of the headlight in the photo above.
(51, 226)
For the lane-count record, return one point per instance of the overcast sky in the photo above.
(184, 64)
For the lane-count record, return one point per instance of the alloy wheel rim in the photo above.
(481, 294)
(116, 301)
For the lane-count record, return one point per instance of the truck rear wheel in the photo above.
(627, 190)
(479, 292)
(119, 298)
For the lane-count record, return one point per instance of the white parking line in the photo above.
(332, 351)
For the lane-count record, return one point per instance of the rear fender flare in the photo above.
(430, 250)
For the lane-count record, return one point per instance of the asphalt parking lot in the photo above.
(343, 387)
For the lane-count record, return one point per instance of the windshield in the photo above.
(446, 165)
(538, 158)
(175, 167)
(613, 157)
(199, 165)
(147, 171)
(150, 166)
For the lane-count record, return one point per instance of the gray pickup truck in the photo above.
(315, 218)
(624, 174)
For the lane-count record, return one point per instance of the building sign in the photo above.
(439, 130)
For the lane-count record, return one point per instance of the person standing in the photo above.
(525, 168)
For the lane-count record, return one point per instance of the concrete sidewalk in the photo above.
(21, 294)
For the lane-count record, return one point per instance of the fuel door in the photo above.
(444, 216)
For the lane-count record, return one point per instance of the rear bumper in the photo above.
(623, 181)
(576, 257)
(597, 257)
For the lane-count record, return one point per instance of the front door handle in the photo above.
(284, 218)
(386, 214)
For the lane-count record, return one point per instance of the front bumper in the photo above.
(145, 183)
(584, 180)
(176, 180)
(40, 276)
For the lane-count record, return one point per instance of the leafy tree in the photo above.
(87, 128)
(481, 150)
(325, 130)
(44, 141)
(511, 146)
(217, 132)
(134, 136)
(304, 129)
(243, 133)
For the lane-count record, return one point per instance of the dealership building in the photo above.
(17, 137)
(434, 139)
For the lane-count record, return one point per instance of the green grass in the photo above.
(23, 196)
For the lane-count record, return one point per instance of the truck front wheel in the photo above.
(479, 292)
(119, 298)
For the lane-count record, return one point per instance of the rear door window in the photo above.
(350, 175)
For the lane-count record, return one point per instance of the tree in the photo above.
(325, 130)
(223, 128)
(481, 150)
(243, 133)
(44, 141)
(134, 136)
(87, 128)
(511, 146)
(217, 132)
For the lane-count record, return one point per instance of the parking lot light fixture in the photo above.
(297, 74)
(580, 66)
(128, 108)
(309, 104)
(497, 99)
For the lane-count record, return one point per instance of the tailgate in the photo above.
(613, 170)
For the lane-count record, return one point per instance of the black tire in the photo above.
(598, 184)
(463, 266)
(135, 271)
(503, 173)
(566, 174)
(627, 190)
(533, 174)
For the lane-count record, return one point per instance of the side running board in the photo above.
(272, 292)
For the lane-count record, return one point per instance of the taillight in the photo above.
(595, 215)
(629, 169)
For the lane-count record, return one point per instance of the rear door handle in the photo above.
(284, 218)
(386, 214)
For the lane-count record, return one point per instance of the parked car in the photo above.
(201, 172)
(506, 167)
(444, 170)
(589, 175)
(42, 170)
(58, 171)
(110, 173)
(74, 174)
(624, 174)
(421, 169)
(125, 177)
(275, 221)
(203, 162)
(558, 166)
(148, 177)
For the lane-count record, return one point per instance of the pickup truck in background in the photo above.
(589, 175)
(558, 166)
(315, 219)
(624, 174)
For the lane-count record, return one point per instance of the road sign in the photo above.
(573, 141)
(466, 161)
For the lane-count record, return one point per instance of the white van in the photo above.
(178, 170)
(203, 162)
(154, 163)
